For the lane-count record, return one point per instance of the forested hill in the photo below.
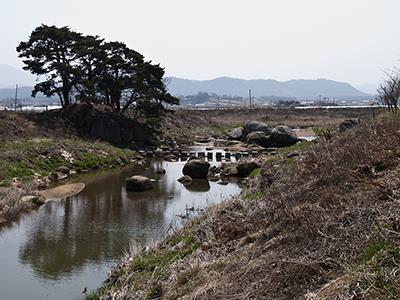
(300, 88)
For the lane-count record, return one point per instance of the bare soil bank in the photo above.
(322, 225)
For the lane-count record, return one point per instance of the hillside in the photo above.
(301, 88)
(323, 225)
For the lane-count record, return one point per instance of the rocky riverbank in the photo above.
(321, 224)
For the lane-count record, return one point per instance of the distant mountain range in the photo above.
(300, 88)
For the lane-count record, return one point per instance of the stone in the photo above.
(215, 177)
(237, 133)
(222, 182)
(229, 169)
(245, 168)
(63, 169)
(259, 138)
(196, 168)
(292, 154)
(36, 200)
(252, 126)
(185, 179)
(138, 184)
(283, 136)
(53, 176)
(170, 158)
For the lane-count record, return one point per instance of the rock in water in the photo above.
(185, 180)
(283, 136)
(252, 126)
(138, 184)
(196, 168)
(170, 158)
(236, 134)
(63, 191)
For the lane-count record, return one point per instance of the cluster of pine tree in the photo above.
(83, 68)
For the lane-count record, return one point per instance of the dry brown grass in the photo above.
(12, 204)
(182, 125)
(325, 227)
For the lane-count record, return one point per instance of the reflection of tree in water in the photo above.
(99, 224)
(95, 226)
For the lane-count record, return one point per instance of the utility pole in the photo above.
(250, 99)
(16, 97)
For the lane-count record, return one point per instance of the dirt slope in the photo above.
(322, 226)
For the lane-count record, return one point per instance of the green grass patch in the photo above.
(24, 158)
(253, 196)
(374, 248)
(255, 172)
(380, 262)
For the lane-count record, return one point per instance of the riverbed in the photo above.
(69, 244)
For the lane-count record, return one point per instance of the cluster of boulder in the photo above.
(200, 169)
(259, 133)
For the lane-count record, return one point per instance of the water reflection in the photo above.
(199, 185)
(63, 240)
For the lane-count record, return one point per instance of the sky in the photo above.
(344, 40)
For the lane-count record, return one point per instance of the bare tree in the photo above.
(389, 90)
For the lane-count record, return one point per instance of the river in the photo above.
(67, 245)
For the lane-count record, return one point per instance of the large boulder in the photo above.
(245, 168)
(229, 169)
(237, 134)
(196, 168)
(241, 169)
(259, 138)
(138, 184)
(252, 126)
(283, 136)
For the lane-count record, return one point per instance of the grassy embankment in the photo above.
(28, 163)
(24, 160)
(323, 225)
(31, 156)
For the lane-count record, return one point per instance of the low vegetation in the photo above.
(26, 159)
(323, 227)
(30, 164)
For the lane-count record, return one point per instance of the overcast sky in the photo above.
(345, 40)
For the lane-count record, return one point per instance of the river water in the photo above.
(66, 245)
